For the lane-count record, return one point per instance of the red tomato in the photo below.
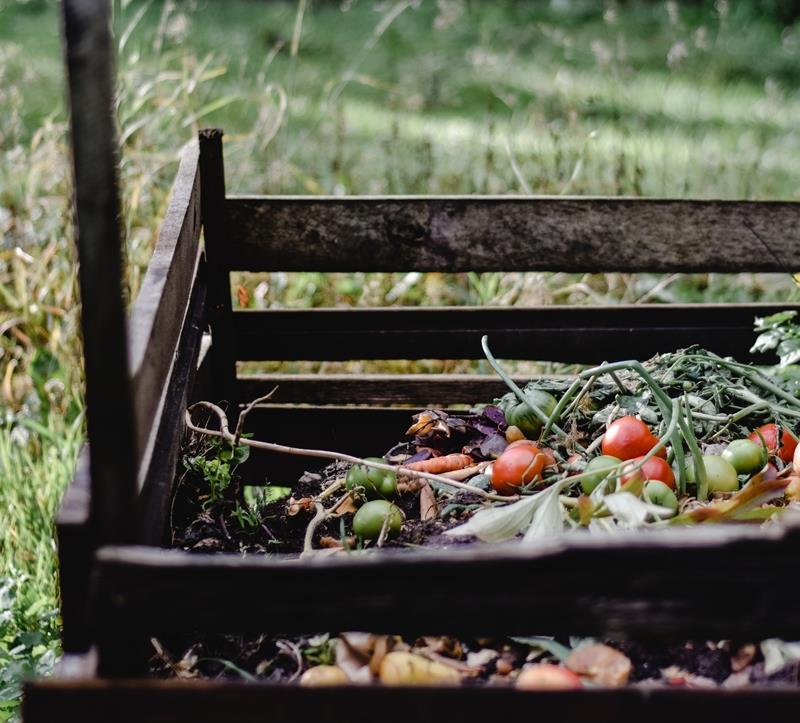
(629, 437)
(517, 466)
(654, 468)
(770, 434)
(546, 451)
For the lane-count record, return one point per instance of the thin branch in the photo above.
(249, 408)
(224, 433)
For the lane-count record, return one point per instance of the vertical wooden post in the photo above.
(212, 198)
(109, 412)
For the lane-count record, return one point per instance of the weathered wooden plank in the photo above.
(158, 473)
(75, 551)
(547, 333)
(709, 582)
(218, 253)
(157, 701)
(109, 406)
(499, 233)
(362, 431)
(159, 310)
(409, 389)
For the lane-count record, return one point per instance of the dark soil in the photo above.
(217, 529)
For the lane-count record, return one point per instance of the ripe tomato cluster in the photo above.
(625, 444)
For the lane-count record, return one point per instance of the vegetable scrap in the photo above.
(684, 438)
(526, 663)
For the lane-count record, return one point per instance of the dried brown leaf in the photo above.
(345, 506)
(428, 509)
(295, 507)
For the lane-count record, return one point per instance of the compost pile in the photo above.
(685, 438)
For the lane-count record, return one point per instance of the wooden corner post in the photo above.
(110, 419)
(212, 195)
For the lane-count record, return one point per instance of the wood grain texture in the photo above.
(408, 389)
(159, 311)
(709, 583)
(501, 233)
(362, 431)
(75, 550)
(548, 333)
(109, 405)
(158, 474)
(218, 254)
(154, 701)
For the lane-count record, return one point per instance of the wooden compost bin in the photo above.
(119, 585)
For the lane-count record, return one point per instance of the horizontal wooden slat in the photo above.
(207, 701)
(158, 313)
(362, 431)
(710, 582)
(548, 333)
(497, 233)
(417, 389)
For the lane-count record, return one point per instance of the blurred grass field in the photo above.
(455, 96)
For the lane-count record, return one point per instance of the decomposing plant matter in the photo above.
(685, 438)
(663, 421)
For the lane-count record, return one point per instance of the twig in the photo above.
(330, 489)
(321, 515)
(384, 530)
(249, 408)
(316, 521)
(224, 433)
(466, 472)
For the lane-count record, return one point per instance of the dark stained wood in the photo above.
(156, 701)
(408, 389)
(707, 583)
(159, 475)
(158, 313)
(362, 431)
(109, 415)
(75, 550)
(548, 333)
(500, 233)
(218, 253)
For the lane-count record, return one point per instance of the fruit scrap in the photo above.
(401, 668)
(323, 675)
(546, 676)
(600, 664)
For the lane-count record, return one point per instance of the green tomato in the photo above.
(601, 466)
(745, 455)
(375, 482)
(521, 415)
(369, 520)
(656, 492)
(720, 474)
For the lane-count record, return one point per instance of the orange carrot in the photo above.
(439, 465)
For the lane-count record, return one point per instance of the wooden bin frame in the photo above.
(118, 585)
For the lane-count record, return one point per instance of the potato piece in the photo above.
(399, 668)
(323, 675)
